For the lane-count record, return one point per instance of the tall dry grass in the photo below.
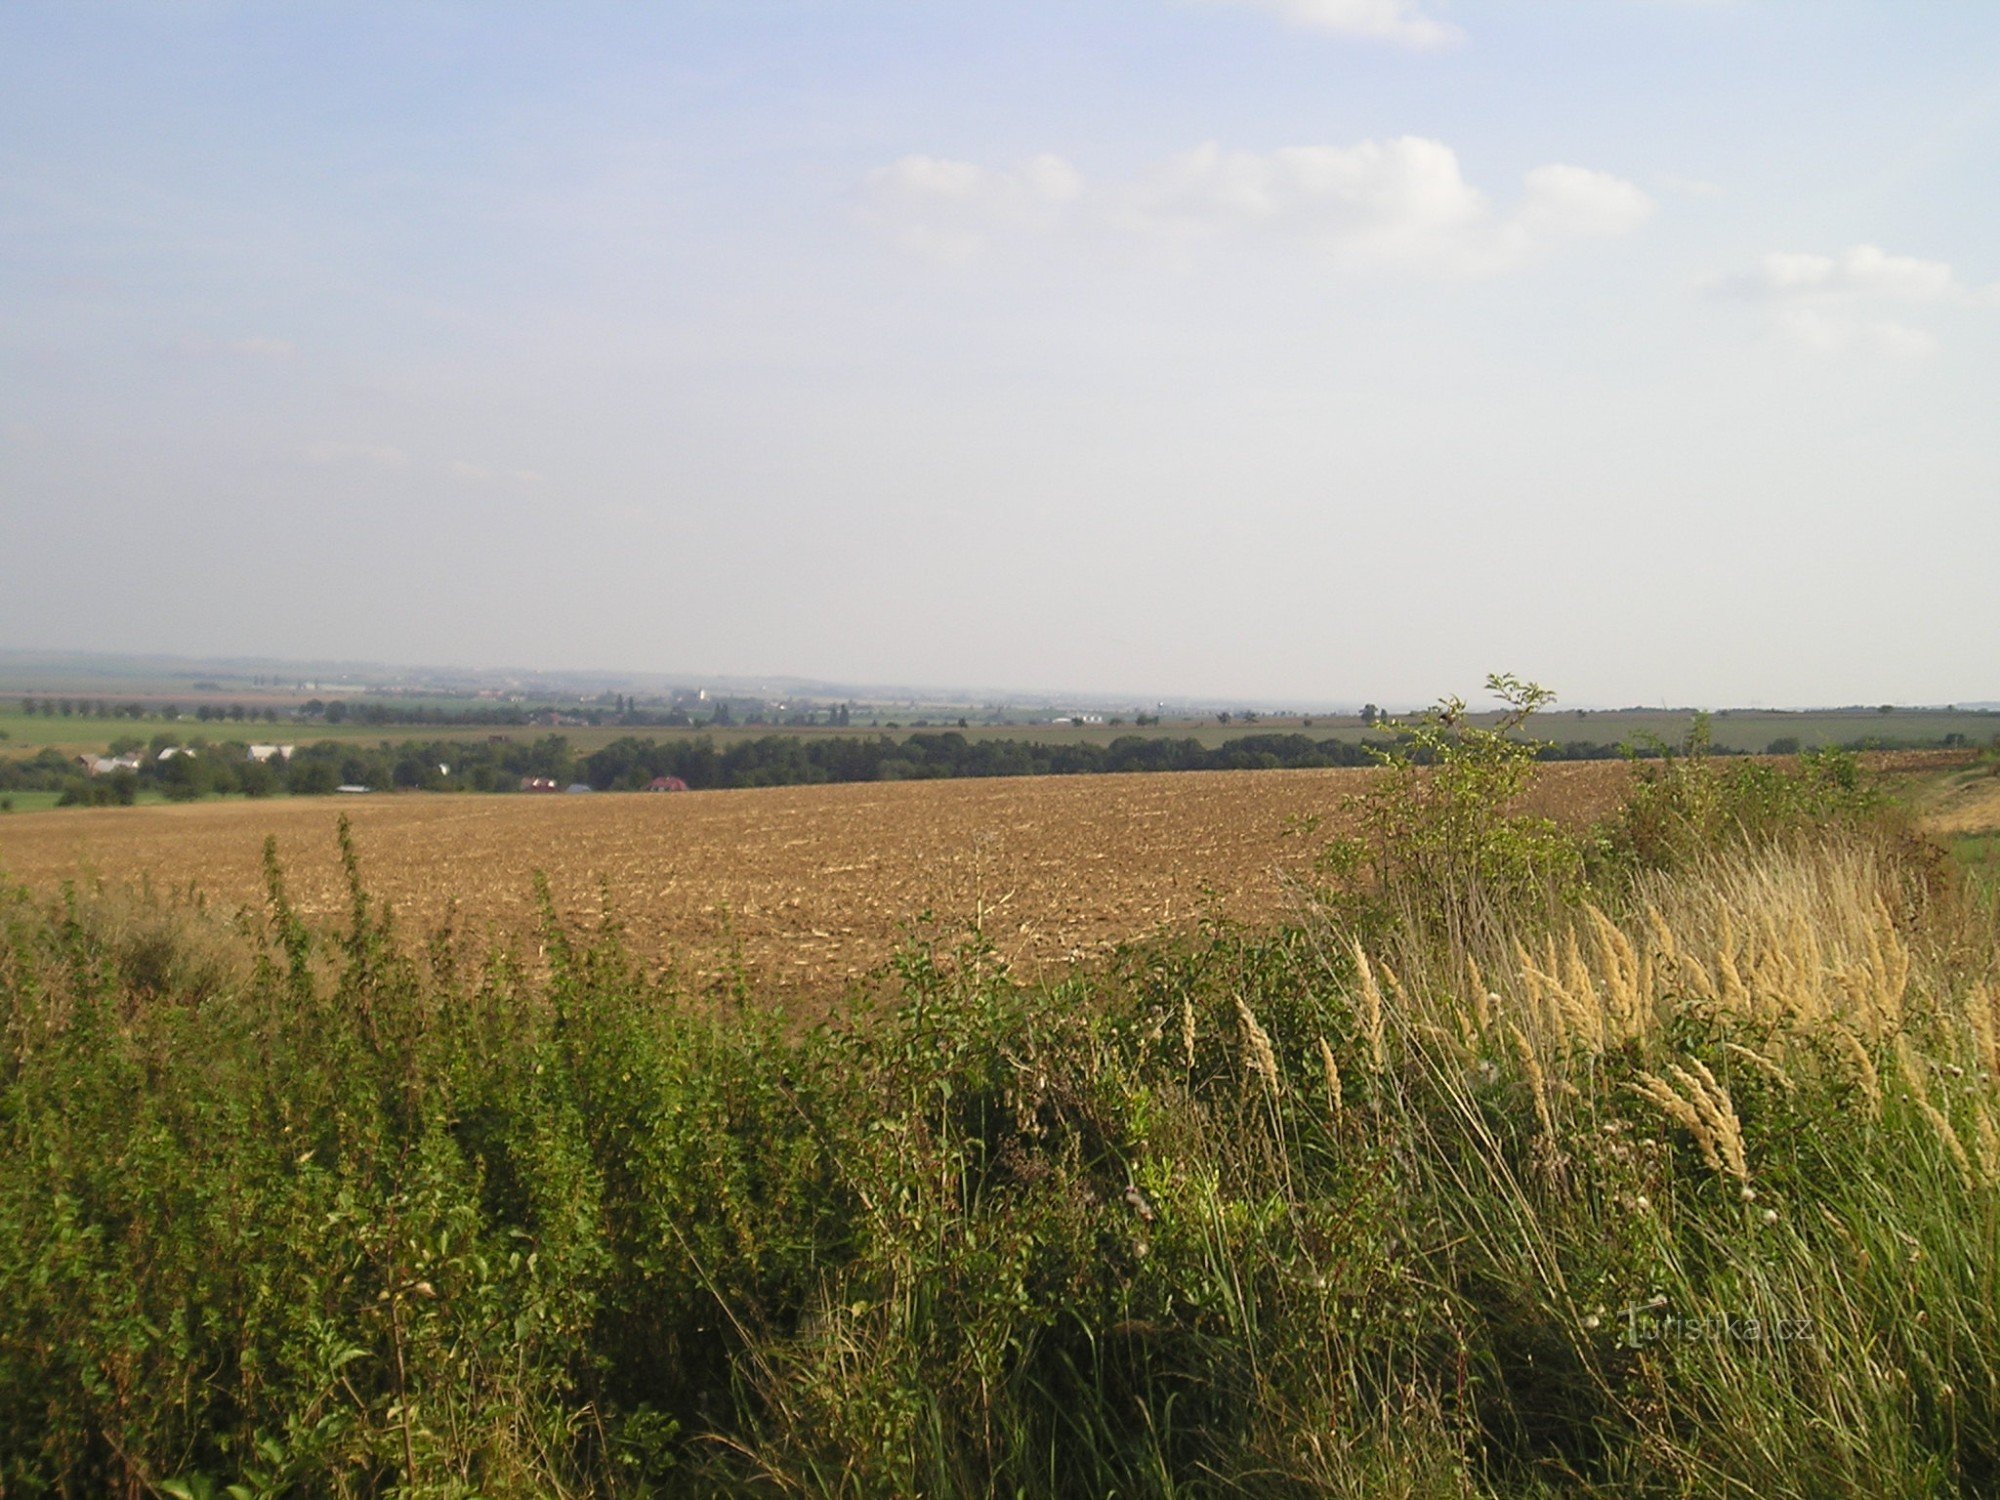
(1672, 1173)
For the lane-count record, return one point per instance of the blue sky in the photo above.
(1290, 349)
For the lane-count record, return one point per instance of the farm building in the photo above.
(538, 784)
(666, 784)
(577, 788)
(105, 765)
(268, 752)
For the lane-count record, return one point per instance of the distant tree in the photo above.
(68, 708)
(1370, 715)
(183, 778)
(1223, 717)
(1885, 708)
(30, 707)
(1785, 744)
(313, 778)
(336, 712)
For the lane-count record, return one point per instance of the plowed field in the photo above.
(813, 883)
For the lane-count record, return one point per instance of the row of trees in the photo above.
(629, 764)
(99, 708)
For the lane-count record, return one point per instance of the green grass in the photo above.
(1743, 730)
(27, 734)
(25, 802)
(1979, 855)
(29, 801)
(1467, 1210)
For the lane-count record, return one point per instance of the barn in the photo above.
(666, 784)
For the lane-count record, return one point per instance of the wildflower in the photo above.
(1770, 1216)
(1642, 1203)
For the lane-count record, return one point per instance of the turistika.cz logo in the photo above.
(1651, 1323)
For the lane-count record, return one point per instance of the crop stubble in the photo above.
(814, 884)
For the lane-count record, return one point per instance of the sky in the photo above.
(1289, 350)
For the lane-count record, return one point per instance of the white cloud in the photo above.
(1860, 300)
(1402, 203)
(1401, 22)
(1567, 201)
(948, 209)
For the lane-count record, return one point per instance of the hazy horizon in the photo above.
(1294, 350)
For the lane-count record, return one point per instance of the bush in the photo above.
(1686, 801)
(1484, 1205)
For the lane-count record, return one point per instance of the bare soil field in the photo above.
(813, 885)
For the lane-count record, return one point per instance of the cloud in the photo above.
(1400, 22)
(1860, 300)
(1573, 202)
(1402, 203)
(948, 209)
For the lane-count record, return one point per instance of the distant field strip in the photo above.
(813, 883)
(1972, 806)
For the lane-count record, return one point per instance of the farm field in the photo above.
(1751, 730)
(814, 883)
(26, 733)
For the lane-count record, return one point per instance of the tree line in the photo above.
(631, 763)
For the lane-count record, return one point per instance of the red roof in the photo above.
(666, 784)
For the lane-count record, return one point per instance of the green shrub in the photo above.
(1273, 1213)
